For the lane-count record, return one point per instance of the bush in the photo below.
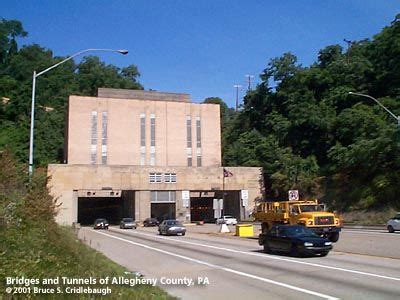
(34, 246)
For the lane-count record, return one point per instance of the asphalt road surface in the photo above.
(363, 265)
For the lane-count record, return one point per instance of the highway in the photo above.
(360, 267)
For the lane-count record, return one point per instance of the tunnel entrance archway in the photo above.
(163, 211)
(111, 208)
(201, 209)
(163, 205)
(202, 205)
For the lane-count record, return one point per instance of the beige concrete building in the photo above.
(143, 154)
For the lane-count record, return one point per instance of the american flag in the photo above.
(227, 173)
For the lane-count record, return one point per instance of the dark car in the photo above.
(101, 224)
(169, 227)
(296, 240)
(150, 222)
(127, 223)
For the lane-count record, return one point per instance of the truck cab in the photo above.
(309, 213)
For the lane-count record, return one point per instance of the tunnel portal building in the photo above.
(141, 154)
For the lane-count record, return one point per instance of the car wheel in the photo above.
(334, 237)
(107, 227)
(324, 254)
(267, 249)
(294, 251)
(390, 228)
(183, 233)
(264, 227)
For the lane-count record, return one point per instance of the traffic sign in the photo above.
(293, 195)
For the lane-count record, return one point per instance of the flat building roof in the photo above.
(142, 95)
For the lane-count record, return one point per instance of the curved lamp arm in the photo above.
(35, 75)
(79, 53)
(380, 104)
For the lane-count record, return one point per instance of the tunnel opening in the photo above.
(163, 211)
(232, 205)
(113, 208)
(203, 208)
(163, 205)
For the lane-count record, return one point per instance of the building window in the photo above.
(104, 138)
(170, 177)
(198, 132)
(163, 196)
(93, 146)
(155, 177)
(152, 130)
(142, 130)
(152, 140)
(189, 131)
(142, 158)
(189, 156)
(189, 140)
(142, 139)
(198, 154)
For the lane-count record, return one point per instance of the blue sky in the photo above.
(198, 47)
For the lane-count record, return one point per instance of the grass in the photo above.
(33, 246)
(40, 252)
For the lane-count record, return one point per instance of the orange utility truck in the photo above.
(308, 213)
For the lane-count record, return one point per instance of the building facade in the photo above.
(143, 154)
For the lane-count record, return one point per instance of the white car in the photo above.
(228, 220)
(394, 223)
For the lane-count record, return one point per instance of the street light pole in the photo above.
(32, 125)
(380, 104)
(35, 75)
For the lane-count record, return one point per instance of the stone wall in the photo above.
(66, 180)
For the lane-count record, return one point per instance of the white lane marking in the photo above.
(273, 257)
(292, 287)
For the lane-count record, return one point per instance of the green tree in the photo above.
(9, 31)
(309, 133)
(52, 92)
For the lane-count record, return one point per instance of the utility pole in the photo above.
(249, 77)
(237, 86)
(349, 44)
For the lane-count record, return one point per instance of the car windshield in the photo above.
(228, 217)
(310, 208)
(175, 223)
(100, 220)
(127, 219)
(296, 231)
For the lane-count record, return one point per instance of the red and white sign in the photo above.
(293, 195)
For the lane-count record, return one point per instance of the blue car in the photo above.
(296, 240)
